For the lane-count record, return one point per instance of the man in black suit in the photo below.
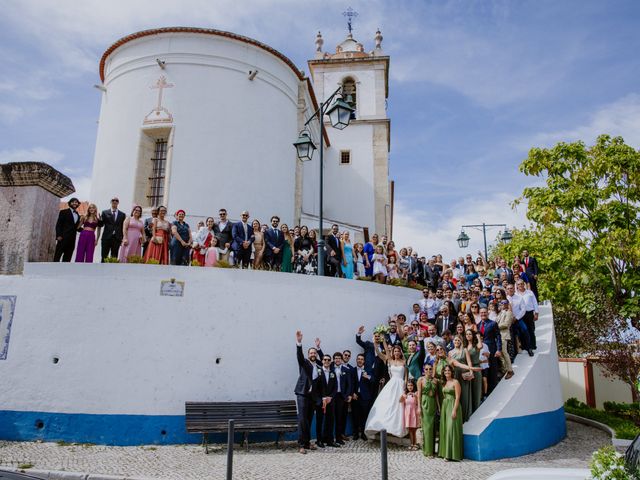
(222, 231)
(274, 239)
(343, 396)
(361, 398)
(334, 253)
(307, 393)
(531, 269)
(242, 239)
(66, 231)
(112, 220)
(325, 408)
(491, 334)
(394, 337)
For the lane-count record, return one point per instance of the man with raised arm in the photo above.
(307, 393)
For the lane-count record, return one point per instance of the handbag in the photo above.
(468, 376)
(158, 240)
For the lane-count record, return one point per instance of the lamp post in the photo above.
(339, 114)
(463, 238)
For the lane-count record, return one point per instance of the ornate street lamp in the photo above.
(463, 240)
(304, 146)
(340, 114)
(506, 236)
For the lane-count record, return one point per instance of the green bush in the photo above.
(607, 464)
(135, 259)
(111, 260)
(623, 427)
(152, 261)
(630, 411)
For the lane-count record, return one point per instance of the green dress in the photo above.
(287, 265)
(450, 429)
(466, 397)
(439, 367)
(476, 384)
(428, 413)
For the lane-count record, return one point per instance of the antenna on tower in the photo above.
(350, 14)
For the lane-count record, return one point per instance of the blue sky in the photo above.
(473, 86)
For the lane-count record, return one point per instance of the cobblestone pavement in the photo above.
(357, 460)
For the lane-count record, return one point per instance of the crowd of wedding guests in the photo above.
(428, 370)
(252, 244)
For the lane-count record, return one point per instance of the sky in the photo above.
(473, 86)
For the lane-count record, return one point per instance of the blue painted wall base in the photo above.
(121, 430)
(512, 437)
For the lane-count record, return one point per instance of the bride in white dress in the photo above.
(387, 412)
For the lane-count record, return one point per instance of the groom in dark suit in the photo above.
(111, 220)
(66, 231)
(307, 393)
(361, 398)
(491, 334)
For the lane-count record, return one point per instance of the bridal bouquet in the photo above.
(381, 329)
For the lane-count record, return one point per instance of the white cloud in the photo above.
(620, 118)
(430, 234)
(36, 154)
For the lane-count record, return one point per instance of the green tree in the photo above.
(586, 236)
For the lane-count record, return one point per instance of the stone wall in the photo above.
(30, 195)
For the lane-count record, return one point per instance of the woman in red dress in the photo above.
(158, 248)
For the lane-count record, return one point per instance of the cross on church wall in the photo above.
(161, 84)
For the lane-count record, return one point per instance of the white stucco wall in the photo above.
(231, 136)
(122, 348)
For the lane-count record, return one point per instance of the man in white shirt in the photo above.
(528, 300)
(519, 311)
(433, 338)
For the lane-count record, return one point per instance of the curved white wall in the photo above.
(232, 136)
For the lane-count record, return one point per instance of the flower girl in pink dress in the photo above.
(411, 415)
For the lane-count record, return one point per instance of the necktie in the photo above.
(338, 375)
(482, 328)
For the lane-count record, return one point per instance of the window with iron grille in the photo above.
(345, 157)
(156, 180)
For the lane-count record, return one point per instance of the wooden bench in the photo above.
(213, 417)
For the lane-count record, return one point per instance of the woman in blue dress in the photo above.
(347, 256)
(369, 250)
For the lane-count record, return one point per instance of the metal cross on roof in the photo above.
(350, 14)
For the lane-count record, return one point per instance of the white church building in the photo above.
(202, 119)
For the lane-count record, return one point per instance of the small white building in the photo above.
(202, 119)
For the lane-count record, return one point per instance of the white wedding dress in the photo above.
(387, 412)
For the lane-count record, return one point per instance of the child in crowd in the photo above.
(213, 253)
(392, 268)
(379, 265)
(484, 363)
(411, 414)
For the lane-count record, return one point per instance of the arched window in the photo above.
(349, 91)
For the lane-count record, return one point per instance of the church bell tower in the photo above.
(357, 162)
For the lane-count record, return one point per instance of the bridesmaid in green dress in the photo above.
(450, 447)
(287, 250)
(462, 358)
(474, 348)
(414, 360)
(438, 369)
(428, 404)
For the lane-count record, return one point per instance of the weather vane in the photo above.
(350, 14)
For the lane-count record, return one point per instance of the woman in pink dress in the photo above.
(158, 248)
(411, 413)
(133, 231)
(88, 239)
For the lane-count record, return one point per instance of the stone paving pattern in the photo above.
(356, 460)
